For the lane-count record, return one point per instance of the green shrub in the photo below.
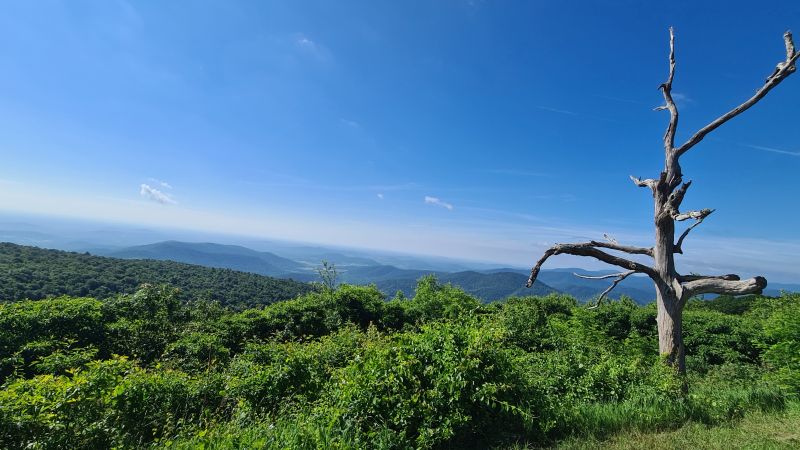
(450, 382)
(312, 315)
(30, 330)
(268, 377)
(148, 405)
(712, 338)
(197, 352)
(58, 412)
(528, 320)
(781, 342)
(433, 301)
(142, 325)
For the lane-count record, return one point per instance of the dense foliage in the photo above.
(345, 368)
(34, 273)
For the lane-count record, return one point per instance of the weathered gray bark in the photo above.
(673, 289)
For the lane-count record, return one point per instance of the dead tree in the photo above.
(672, 288)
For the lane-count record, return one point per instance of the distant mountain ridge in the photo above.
(212, 255)
(485, 286)
(488, 285)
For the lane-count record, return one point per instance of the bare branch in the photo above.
(783, 70)
(678, 247)
(588, 249)
(623, 248)
(729, 277)
(676, 198)
(697, 215)
(787, 40)
(666, 89)
(649, 182)
(598, 277)
(620, 277)
(722, 286)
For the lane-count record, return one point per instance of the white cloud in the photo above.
(307, 45)
(155, 195)
(435, 201)
(161, 183)
(380, 196)
(350, 123)
(682, 98)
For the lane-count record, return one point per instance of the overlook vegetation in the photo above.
(348, 368)
(34, 273)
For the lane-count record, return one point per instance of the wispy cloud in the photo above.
(161, 183)
(349, 123)
(564, 197)
(556, 110)
(289, 181)
(769, 149)
(682, 99)
(619, 99)
(521, 173)
(380, 196)
(436, 201)
(155, 195)
(567, 112)
(311, 47)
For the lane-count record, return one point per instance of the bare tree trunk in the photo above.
(668, 298)
(670, 328)
(668, 289)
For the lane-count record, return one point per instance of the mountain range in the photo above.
(491, 284)
(390, 272)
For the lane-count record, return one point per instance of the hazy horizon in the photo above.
(118, 235)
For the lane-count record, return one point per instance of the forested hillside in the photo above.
(351, 369)
(34, 273)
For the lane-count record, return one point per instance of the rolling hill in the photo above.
(31, 272)
(212, 255)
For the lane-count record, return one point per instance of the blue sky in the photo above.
(471, 129)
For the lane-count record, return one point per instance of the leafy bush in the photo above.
(450, 382)
(197, 352)
(314, 314)
(57, 412)
(32, 329)
(267, 377)
(781, 342)
(712, 338)
(433, 301)
(146, 406)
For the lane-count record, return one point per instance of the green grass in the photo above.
(756, 430)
